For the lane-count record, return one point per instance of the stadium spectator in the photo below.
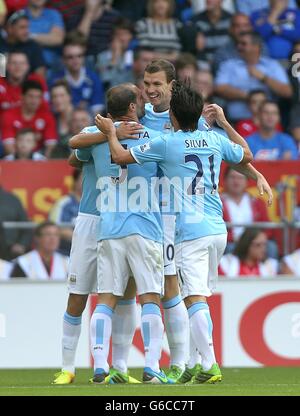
(65, 210)
(204, 83)
(186, 67)
(25, 144)
(86, 86)
(17, 71)
(237, 77)
(279, 26)
(115, 64)
(240, 207)
(18, 39)
(17, 240)
(61, 101)
(69, 9)
(240, 23)
(43, 262)
(96, 24)
(249, 126)
(141, 58)
(250, 6)
(78, 121)
(199, 5)
(268, 143)
(46, 27)
(290, 264)
(249, 257)
(159, 30)
(212, 26)
(30, 115)
(294, 75)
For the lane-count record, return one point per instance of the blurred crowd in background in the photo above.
(62, 56)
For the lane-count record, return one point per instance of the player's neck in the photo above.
(128, 118)
(161, 108)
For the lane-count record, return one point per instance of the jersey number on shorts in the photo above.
(124, 171)
(195, 187)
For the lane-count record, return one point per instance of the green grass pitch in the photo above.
(236, 382)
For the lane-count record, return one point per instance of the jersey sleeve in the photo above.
(231, 152)
(83, 155)
(152, 151)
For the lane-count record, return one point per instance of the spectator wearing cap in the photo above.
(85, 84)
(279, 27)
(30, 115)
(65, 210)
(267, 143)
(18, 39)
(17, 72)
(43, 262)
(237, 77)
(46, 27)
(25, 145)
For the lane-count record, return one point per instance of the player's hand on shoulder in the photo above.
(215, 112)
(129, 130)
(104, 124)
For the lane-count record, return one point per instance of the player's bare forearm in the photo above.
(235, 137)
(118, 153)
(262, 184)
(74, 162)
(82, 140)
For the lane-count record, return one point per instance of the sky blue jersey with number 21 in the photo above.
(191, 161)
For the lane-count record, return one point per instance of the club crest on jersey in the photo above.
(72, 278)
(145, 147)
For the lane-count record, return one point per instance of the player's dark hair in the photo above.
(242, 246)
(40, 228)
(159, 65)
(119, 98)
(31, 85)
(186, 105)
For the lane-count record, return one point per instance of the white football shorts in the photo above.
(169, 249)
(82, 276)
(197, 264)
(130, 256)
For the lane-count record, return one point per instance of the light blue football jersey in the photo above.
(191, 161)
(161, 121)
(128, 201)
(89, 179)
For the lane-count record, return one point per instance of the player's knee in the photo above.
(149, 298)
(76, 304)
(190, 300)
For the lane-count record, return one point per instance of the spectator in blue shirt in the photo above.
(279, 26)
(65, 210)
(250, 6)
(251, 71)
(86, 86)
(267, 143)
(46, 27)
